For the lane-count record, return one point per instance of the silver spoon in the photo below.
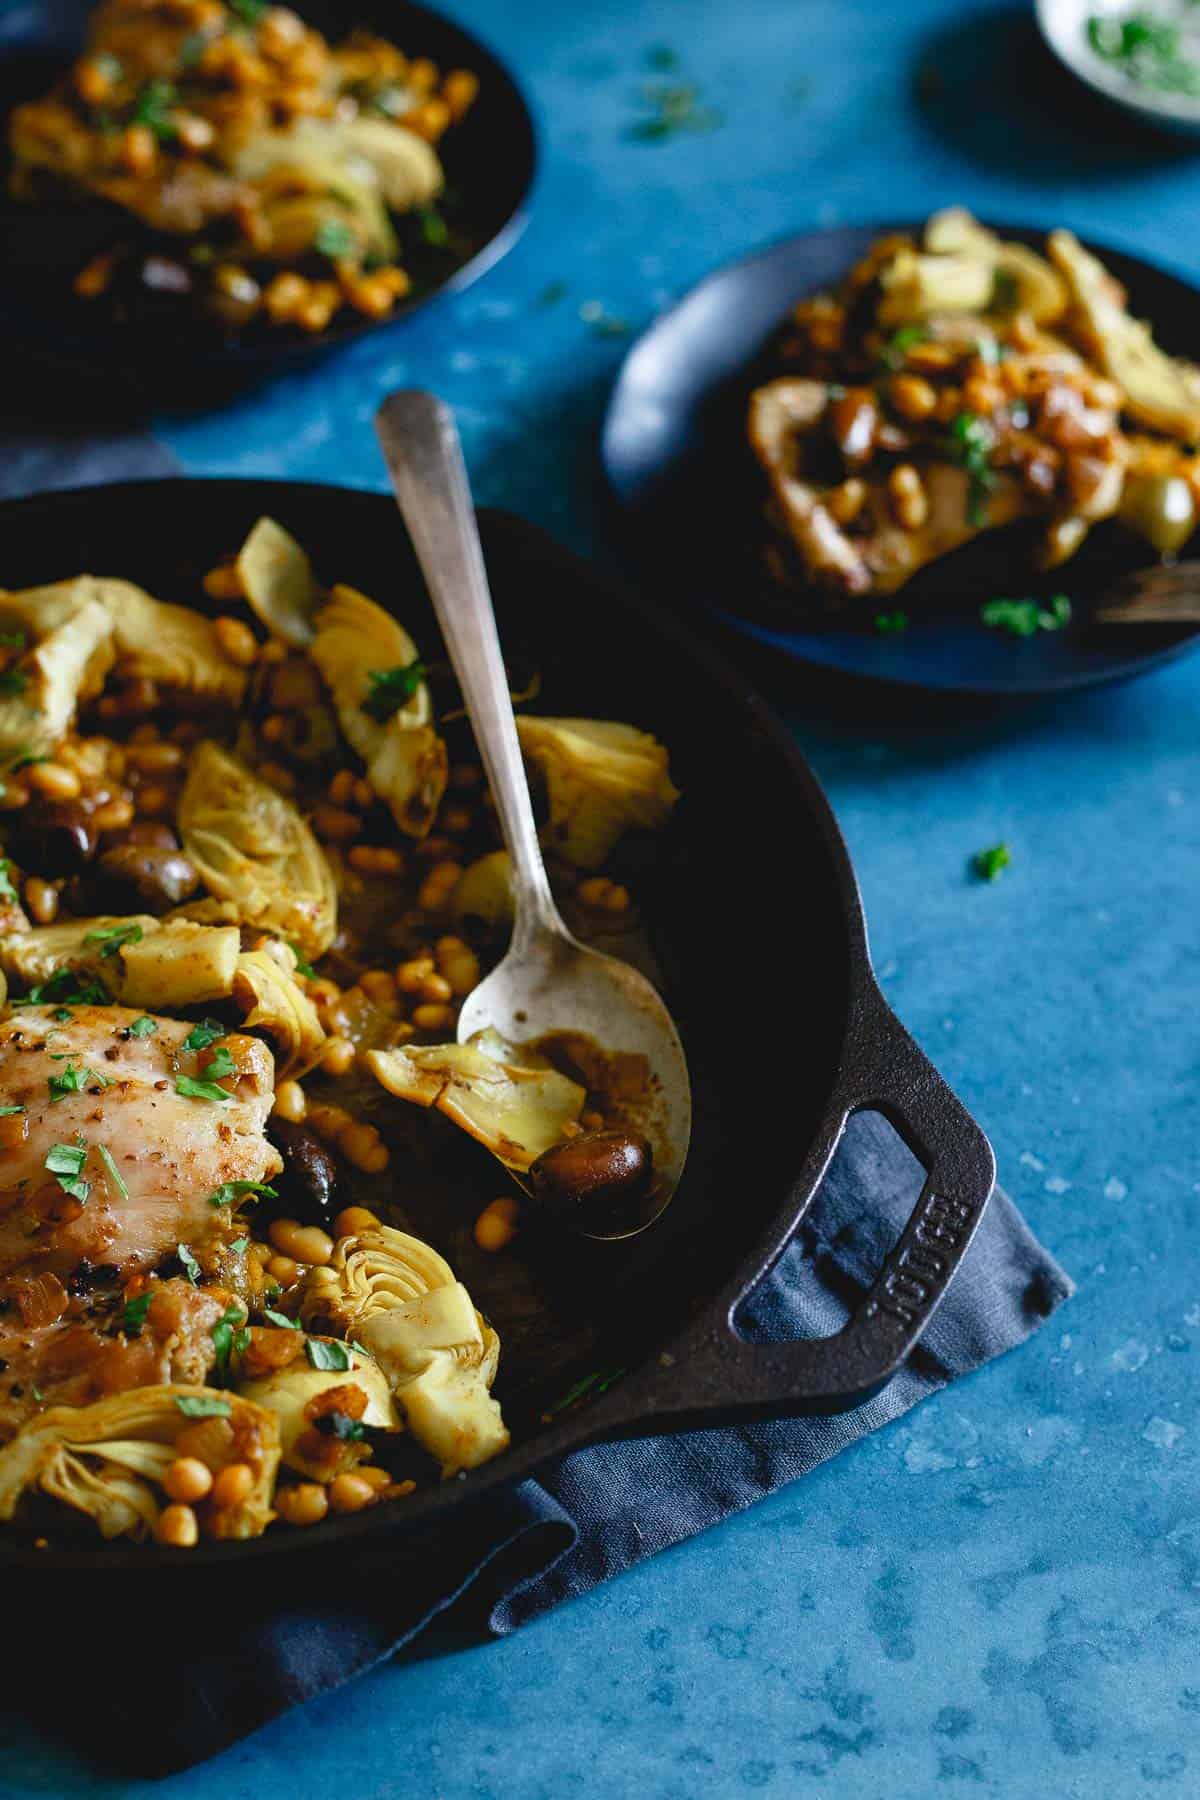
(548, 981)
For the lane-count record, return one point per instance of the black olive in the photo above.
(587, 1180)
(307, 1187)
(141, 878)
(53, 841)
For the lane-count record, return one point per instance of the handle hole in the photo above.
(856, 1216)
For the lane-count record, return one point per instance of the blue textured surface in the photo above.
(1000, 1595)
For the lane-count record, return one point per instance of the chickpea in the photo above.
(411, 974)
(350, 1493)
(459, 964)
(437, 887)
(303, 1243)
(273, 729)
(290, 1102)
(369, 295)
(41, 900)
(284, 296)
(94, 79)
(431, 1017)
(846, 501)
(602, 894)
(422, 75)
(436, 987)
(303, 1504)
(95, 276)
(981, 395)
(429, 120)
(909, 501)
(150, 755)
(364, 794)
(278, 776)
(459, 90)
(114, 815)
(337, 1058)
(153, 800)
(353, 1220)
(283, 1270)
(378, 985)
(188, 1479)
(496, 1225)
(139, 152)
(224, 583)
(334, 824)
(370, 859)
(177, 1527)
(237, 641)
(362, 1146)
(54, 780)
(233, 1486)
(912, 396)
(341, 788)
(374, 1478)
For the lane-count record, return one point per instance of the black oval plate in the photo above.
(676, 458)
(490, 162)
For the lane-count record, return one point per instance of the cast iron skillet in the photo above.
(490, 162)
(755, 917)
(677, 461)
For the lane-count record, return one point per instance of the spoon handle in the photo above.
(424, 459)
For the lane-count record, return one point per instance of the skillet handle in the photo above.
(713, 1376)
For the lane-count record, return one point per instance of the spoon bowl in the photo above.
(549, 984)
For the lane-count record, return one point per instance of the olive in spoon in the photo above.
(548, 981)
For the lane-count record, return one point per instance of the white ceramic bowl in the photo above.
(1063, 24)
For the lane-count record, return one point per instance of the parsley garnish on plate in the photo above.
(191, 1267)
(392, 688)
(1147, 50)
(891, 624)
(230, 1334)
(5, 1110)
(672, 107)
(143, 1027)
(66, 1162)
(1025, 618)
(239, 1246)
(203, 1406)
(112, 937)
(13, 681)
(341, 1425)
(328, 1353)
(303, 966)
(118, 1180)
(153, 106)
(281, 1319)
(248, 11)
(63, 986)
(202, 1035)
(74, 1081)
(134, 1315)
(229, 1191)
(12, 640)
(335, 240)
(7, 890)
(970, 445)
(192, 1089)
(434, 228)
(987, 864)
(896, 350)
(220, 1065)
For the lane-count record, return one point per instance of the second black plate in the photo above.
(676, 458)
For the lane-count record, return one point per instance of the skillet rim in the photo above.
(601, 1420)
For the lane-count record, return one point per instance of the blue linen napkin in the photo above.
(253, 1642)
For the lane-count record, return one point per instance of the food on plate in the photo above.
(958, 384)
(251, 169)
(247, 879)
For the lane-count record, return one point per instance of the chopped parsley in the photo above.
(672, 107)
(191, 1267)
(895, 351)
(987, 864)
(226, 1339)
(604, 324)
(115, 1175)
(303, 966)
(341, 1425)
(335, 240)
(74, 1081)
(5, 1110)
(239, 1246)
(202, 1035)
(1005, 292)
(229, 1191)
(143, 1027)
(134, 1315)
(891, 624)
(203, 1406)
(434, 228)
(12, 640)
(192, 1089)
(552, 293)
(152, 108)
(281, 1319)
(66, 1162)
(65, 985)
(7, 890)
(1147, 50)
(970, 445)
(328, 1353)
(248, 11)
(13, 681)
(220, 1064)
(1025, 618)
(392, 688)
(62, 1015)
(112, 937)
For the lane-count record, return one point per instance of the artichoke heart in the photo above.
(72, 652)
(1159, 390)
(400, 1300)
(252, 847)
(279, 582)
(516, 1112)
(298, 1395)
(602, 778)
(173, 645)
(140, 959)
(108, 1459)
(277, 1005)
(1038, 289)
(89, 946)
(358, 648)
